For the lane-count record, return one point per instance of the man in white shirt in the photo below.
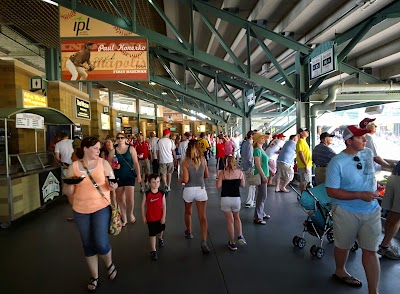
(63, 152)
(236, 141)
(369, 124)
(182, 149)
(153, 145)
(166, 156)
(273, 153)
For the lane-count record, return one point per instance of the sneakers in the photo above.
(204, 247)
(167, 189)
(142, 189)
(160, 242)
(153, 255)
(232, 246)
(391, 252)
(188, 235)
(241, 240)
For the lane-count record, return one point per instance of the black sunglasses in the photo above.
(357, 159)
(120, 137)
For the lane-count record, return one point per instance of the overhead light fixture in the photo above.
(50, 2)
(177, 99)
(164, 93)
(152, 83)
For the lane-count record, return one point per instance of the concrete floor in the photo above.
(42, 253)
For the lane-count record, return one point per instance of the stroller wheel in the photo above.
(329, 237)
(301, 243)
(313, 249)
(355, 247)
(295, 240)
(320, 252)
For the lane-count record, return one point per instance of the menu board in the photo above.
(29, 121)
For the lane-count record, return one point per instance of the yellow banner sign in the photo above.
(77, 25)
(30, 99)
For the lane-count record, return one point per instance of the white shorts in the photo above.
(230, 204)
(191, 194)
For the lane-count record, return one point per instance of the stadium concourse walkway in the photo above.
(42, 253)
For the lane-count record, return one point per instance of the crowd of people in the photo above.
(265, 160)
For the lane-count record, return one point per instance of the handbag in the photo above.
(115, 226)
(251, 178)
(131, 167)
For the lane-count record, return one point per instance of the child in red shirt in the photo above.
(154, 211)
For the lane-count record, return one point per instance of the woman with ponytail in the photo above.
(194, 170)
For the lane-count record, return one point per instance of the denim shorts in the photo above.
(93, 229)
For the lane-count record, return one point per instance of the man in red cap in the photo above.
(369, 124)
(356, 214)
(166, 157)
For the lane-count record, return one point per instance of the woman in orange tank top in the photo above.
(91, 210)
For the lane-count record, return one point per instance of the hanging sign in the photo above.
(29, 121)
(74, 24)
(115, 59)
(322, 60)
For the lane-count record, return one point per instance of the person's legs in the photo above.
(341, 256)
(392, 226)
(229, 226)
(237, 223)
(201, 213)
(152, 240)
(72, 69)
(372, 270)
(261, 197)
(169, 177)
(82, 73)
(83, 223)
(250, 196)
(188, 217)
(100, 224)
(120, 195)
(130, 202)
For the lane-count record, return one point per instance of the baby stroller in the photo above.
(317, 204)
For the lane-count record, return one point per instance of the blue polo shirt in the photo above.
(342, 173)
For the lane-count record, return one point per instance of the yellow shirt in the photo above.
(204, 145)
(303, 146)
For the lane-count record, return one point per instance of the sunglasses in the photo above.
(357, 159)
(120, 138)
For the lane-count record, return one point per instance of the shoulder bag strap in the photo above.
(93, 181)
(124, 157)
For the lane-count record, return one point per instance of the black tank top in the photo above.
(230, 188)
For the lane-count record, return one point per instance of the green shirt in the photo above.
(258, 152)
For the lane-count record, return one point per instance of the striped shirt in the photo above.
(322, 154)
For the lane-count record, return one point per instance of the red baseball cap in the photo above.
(275, 136)
(365, 122)
(281, 136)
(351, 131)
(166, 132)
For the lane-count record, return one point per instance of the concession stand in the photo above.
(30, 177)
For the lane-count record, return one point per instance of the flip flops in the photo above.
(348, 280)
